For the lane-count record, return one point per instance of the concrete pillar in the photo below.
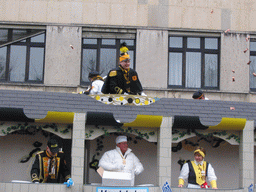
(234, 57)
(246, 155)
(152, 57)
(78, 137)
(164, 151)
(63, 56)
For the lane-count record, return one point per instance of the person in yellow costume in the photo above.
(197, 171)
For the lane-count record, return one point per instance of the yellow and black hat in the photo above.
(124, 56)
(53, 145)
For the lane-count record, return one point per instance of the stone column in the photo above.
(63, 56)
(246, 156)
(78, 138)
(152, 51)
(164, 151)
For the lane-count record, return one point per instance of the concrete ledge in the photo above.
(32, 187)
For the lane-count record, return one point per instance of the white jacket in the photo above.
(96, 87)
(113, 161)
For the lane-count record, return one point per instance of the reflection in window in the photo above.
(107, 60)
(108, 41)
(22, 61)
(38, 38)
(252, 70)
(175, 68)
(102, 55)
(175, 42)
(128, 42)
(17, 34)
(252, 46)
(193, 70)
(36, 64)
(211, 70)
(193, 62)
(131, 53)
(3, 52)
(3, 35)
(17, 63)
(90, 41)
(194, 43)
(211, 43)
(252, 65)
(89, 63)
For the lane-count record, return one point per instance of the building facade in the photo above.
(176, 46)
(184, 45)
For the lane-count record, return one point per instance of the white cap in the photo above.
(121, 139)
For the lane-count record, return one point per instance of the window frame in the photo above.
(252, 53)
(100, 46)
(201, 50)
(25, 42)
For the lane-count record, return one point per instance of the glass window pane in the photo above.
(194, 43)
(193, 70)
(128, 42)
(211, 70)
(90, 41)
(3, 51)
(107, 60)
(211, 43)
(36, 64)
(252, 70)
(176, 42)
(175, 68)
(89, 63)
(3, 35)
(131, 53)
(17, 34)
(38, 38)
(17, 63)
(108, 41)
(252, 46)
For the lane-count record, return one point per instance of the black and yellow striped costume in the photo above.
(48, 169)
(120, 81)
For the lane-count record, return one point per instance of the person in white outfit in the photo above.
(121, 159)
(197, 171)
(96, 84)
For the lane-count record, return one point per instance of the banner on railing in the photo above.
(122, 189)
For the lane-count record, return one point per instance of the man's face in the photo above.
(51, 153)
(198, 157)
(203, 98)
(123, 146)
(125, 64)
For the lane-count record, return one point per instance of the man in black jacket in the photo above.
(49, 165)
(123, 79)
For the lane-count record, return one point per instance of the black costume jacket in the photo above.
(116, 83)
(47, 169)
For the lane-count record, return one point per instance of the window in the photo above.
(22, 55)
(194, 62)
(252, 65)
(102, 55)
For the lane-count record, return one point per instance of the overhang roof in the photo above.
(36, 104)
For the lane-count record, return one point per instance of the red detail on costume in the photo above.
(205, 185)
